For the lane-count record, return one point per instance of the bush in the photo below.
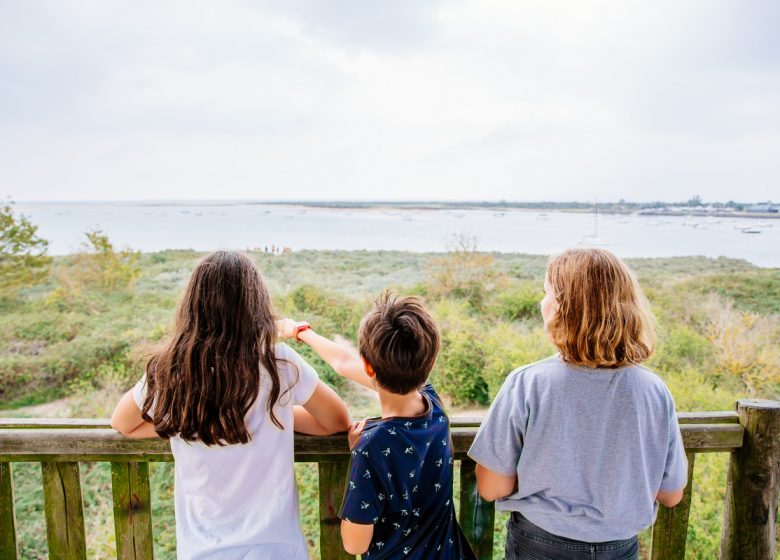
(461, 363)
(23, 260)
(680, 347)
(510, 346)
(517, 301)
(463, 273)
(100, 266)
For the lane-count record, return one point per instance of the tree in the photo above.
(106, 267)
(695, 201)
(23, 259)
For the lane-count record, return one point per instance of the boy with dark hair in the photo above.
(398, 501)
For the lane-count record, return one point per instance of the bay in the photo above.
(209, 226)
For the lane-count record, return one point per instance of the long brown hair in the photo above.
(204, 380)
(602, 317)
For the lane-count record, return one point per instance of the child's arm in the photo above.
(323, 414)
(345, 362)
(127, 419)
(492, 485)
(670, 498)
(356, 536)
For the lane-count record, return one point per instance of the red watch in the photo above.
(300, 328)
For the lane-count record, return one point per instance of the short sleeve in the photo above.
(139, 392)
(364, 498)
(302, 377)
(676, 466)
(499, 440)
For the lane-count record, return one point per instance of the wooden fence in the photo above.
(751, 434)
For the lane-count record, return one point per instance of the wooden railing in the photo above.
(751, 435)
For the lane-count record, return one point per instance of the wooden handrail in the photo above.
(61, 444)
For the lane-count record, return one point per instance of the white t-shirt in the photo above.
(241, 501)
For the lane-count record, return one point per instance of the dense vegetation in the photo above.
(77, 340)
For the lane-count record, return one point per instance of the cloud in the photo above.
(368, 99)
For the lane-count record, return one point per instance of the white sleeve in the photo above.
(302, 378)
(139, 394)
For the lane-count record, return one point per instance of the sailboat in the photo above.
(594, 240)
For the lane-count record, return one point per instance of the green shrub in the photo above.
(23, 259)
(680, 347)
(461, 364)
(517, 301)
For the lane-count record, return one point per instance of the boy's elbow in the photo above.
(488, 494)
(670, 498)
(353, 548)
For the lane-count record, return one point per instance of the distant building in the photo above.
(764, 207)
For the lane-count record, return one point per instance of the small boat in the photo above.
(751, 230)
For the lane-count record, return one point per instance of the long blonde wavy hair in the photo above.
(602, 318)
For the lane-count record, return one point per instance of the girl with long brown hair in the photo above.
(228, 395)
(581, 447)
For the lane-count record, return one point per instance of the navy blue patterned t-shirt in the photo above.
(400, 480)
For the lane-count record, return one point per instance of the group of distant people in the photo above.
(276, 249)
(579, 447)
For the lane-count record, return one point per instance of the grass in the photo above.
(81, 347)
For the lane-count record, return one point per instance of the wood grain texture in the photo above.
(476, 515)
(132, 510)
(8, 547)
(333, 481)
(753, 483)
(64, 511)
(670, 530)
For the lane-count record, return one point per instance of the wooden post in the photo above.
(64, 511)
(333, 481)
(132, 510)
(7, 521)
(476, 515)
(670, 529)
(753, 484)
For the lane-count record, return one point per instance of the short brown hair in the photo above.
(400, 340)
(602, 317)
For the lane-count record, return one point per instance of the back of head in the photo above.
(602, 318)
(400, 340)
(203, 381)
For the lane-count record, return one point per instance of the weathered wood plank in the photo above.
(107, 445)
(476, 515)
(333, 480)
(704, 438)
(670, 530)
(717, 417)
(132, 510)
(53, 423)
(753, 485)
(7, 519)
(64, 511)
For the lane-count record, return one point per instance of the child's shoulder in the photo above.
(532, 371)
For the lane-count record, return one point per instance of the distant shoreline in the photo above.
(624, 208)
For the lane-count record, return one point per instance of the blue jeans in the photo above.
(525, 541)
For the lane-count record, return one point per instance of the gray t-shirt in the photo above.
(590, 447)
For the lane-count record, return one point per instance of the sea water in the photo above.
(209, 226)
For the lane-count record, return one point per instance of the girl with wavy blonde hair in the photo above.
(581, 447)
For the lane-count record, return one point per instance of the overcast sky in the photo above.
(390, 99)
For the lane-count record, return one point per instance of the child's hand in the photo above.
(353, 434)
(289, 328)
